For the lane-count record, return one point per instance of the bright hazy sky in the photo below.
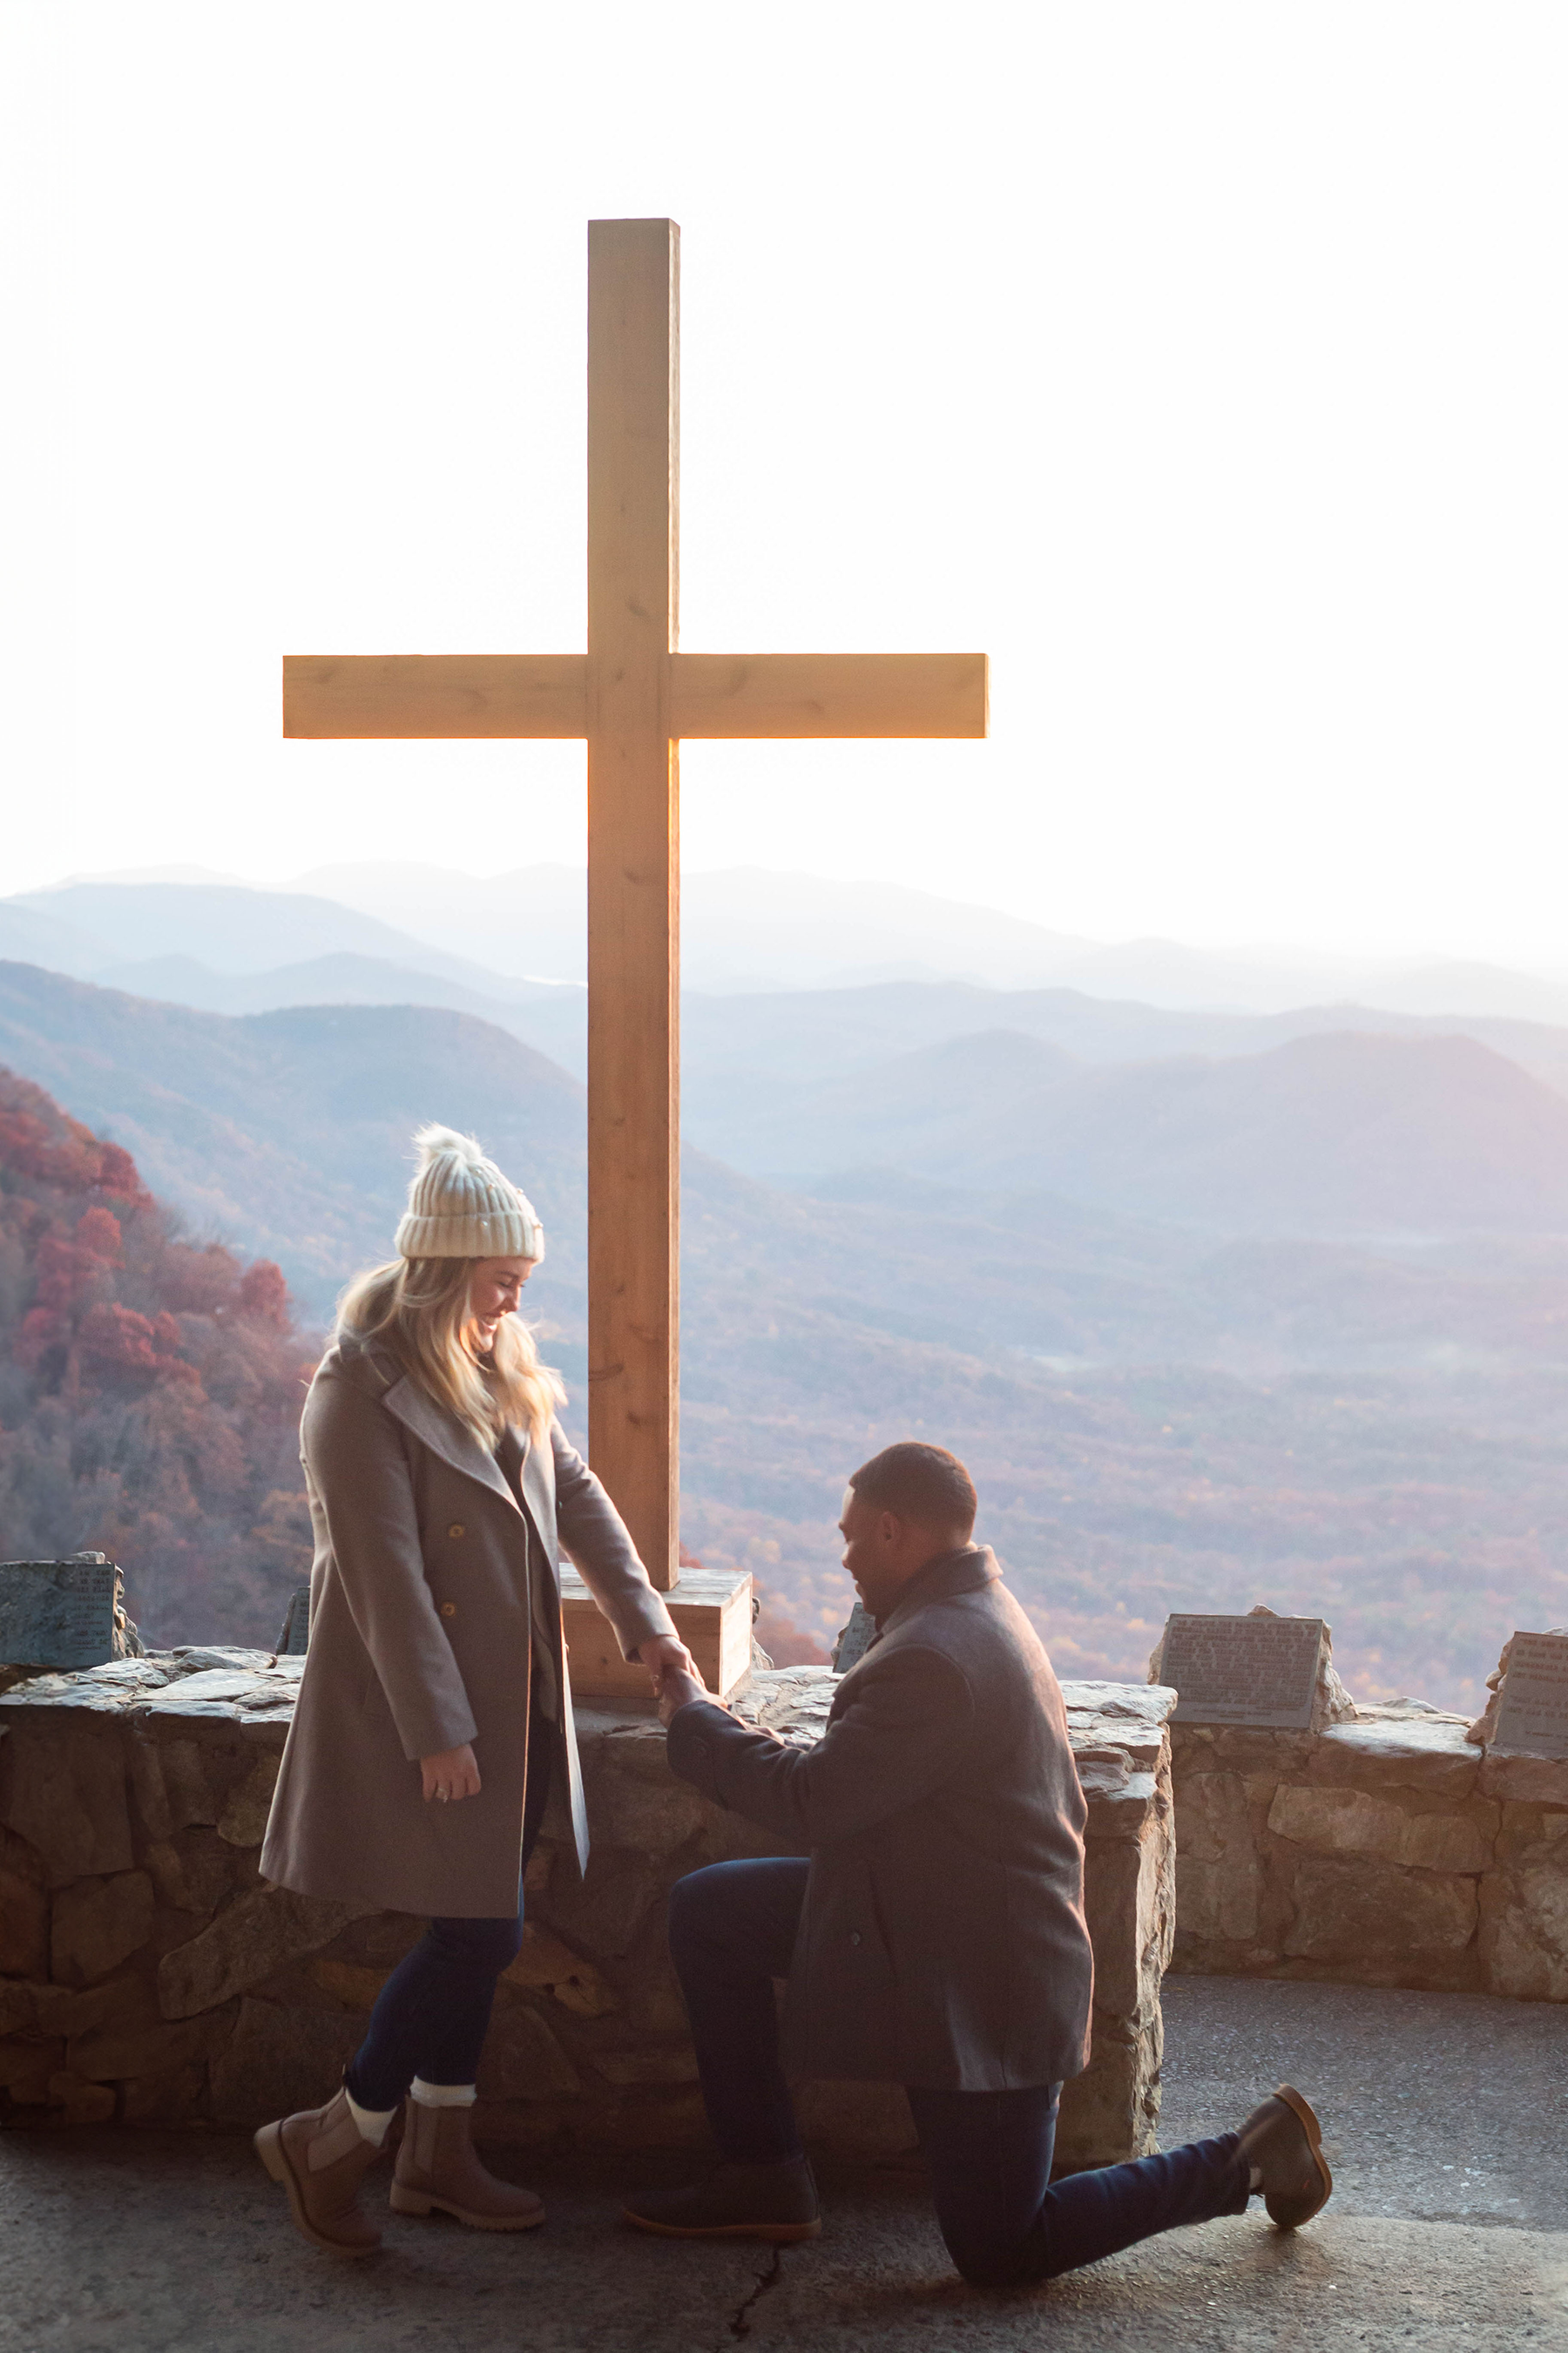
(1207, 366)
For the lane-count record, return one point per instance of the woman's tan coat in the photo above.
(428, 1589)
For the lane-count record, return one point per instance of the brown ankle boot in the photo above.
(1283, 2142)
(320, 2157)
(437, 2166)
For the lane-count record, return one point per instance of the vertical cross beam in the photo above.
(633, 879)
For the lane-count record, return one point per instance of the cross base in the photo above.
(712, 1612)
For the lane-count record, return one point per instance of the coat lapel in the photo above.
(445, 1436)
(538, 1483)
(454, 1445)
(539, 1488)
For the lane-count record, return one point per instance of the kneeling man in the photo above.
(935, 1937)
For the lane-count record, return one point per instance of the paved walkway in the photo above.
(1449, 2229)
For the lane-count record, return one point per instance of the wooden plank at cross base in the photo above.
(634, 1169)
(712, 1612)
(442, 697)
(889, 695)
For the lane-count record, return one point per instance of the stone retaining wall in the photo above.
(1386, 1851)
(148, 1975)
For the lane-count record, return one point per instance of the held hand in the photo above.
(678, 1689)
(661, 1651)
(452, 1774)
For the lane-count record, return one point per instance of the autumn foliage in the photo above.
(150, 1389)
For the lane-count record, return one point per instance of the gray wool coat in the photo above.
(942, 1941)
(429, 1588)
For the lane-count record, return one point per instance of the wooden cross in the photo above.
(633, 697)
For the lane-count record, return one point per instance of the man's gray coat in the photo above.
(942, 1941)
(430, 1588)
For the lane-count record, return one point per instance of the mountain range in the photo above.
(743, 930)
(223, 947)
(1345, 1133)
(1285, 1326)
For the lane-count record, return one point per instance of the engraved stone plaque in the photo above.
(59, 1613)
(294, 1637)
(854, 1640)
(1259, 1670)
(1532, 1720)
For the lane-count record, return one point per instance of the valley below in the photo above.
(1221, 1308)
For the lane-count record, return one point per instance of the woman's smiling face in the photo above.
(495, 1289)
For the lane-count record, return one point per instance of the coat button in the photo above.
(456, 1529)
(448, 1609)
(854, 1936)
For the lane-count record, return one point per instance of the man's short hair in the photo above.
(923, 1483)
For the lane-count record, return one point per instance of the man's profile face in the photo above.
(856, 1525)
(883, 1552)
(875, 1545)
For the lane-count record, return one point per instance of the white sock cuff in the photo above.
(443, 2095)
(371, 2122)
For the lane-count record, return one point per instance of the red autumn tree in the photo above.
(149, 1388)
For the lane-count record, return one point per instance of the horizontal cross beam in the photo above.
(718, 696)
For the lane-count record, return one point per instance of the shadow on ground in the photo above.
(1445, 2125)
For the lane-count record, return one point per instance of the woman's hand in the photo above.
(453, 1774)
(660, 1652)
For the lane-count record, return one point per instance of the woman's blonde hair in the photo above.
(419, 1306)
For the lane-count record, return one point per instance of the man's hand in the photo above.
(678, 1689)
(453, 1774)
(660, 1652)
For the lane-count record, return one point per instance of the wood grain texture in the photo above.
(633, 869)
(448, 697)
(712, 1614)
(440, 696)
(634, 696)
(739, 695)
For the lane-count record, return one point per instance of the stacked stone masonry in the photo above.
(148, 1975)
(1389, 1851)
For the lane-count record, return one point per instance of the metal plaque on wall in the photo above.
(59, 1613)
(1258, 1670)
(854, 1640)
(1532, 1719)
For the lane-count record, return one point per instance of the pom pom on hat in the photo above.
(460, 1205)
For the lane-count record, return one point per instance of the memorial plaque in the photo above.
(59, 1613)
(1260, 1671)
(1532, 1720)
(854, 1640)
(294, 1639)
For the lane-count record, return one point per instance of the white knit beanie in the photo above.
(460, 1205)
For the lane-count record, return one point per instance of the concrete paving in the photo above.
(1438, 2108)
(1449, 2228)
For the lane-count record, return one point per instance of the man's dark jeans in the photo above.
(731, 1932)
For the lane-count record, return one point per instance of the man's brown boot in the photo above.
(1282, 2141)
(776, 2203)
(437, 2166)
(320, 2157)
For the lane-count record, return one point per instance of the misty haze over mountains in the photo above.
(1223, 1305)
(743, 930)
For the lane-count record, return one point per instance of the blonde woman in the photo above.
(434, 1708)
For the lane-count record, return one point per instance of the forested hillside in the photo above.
(149, 1388)
(1162, 1412)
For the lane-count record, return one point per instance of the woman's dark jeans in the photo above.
(732, 1932)
(432, 2014)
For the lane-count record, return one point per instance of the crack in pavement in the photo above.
(739, 2326)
